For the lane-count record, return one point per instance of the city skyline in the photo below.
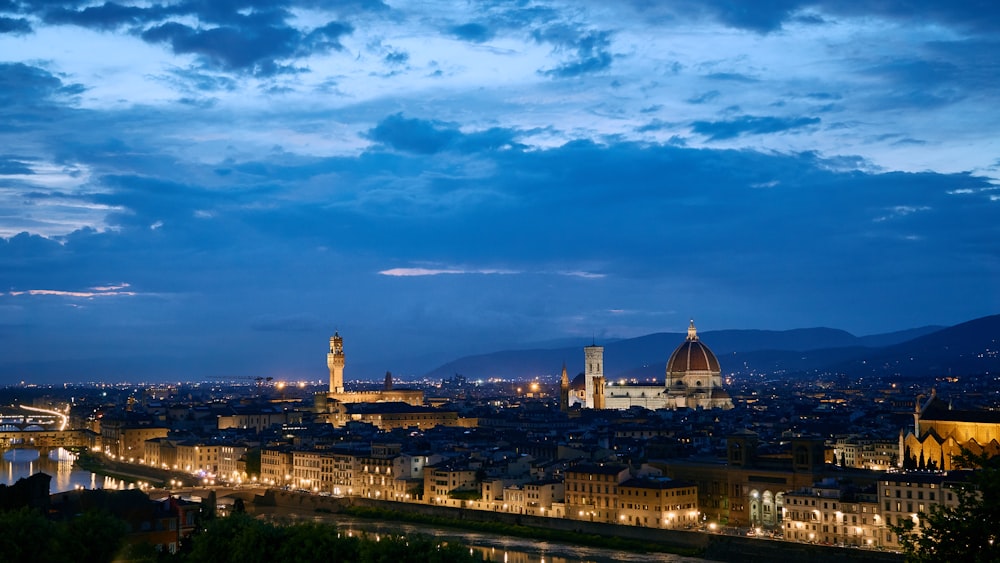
(215, 188)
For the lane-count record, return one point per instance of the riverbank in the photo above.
(717, 547)
(130, 472)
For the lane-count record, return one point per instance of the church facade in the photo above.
(693, 380)
(940, 432)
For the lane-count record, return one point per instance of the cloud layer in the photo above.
(219, 185)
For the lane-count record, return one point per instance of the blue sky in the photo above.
(214, 187)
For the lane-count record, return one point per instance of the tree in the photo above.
(968, 531)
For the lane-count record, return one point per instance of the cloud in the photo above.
(749, 124)
(26, 85)
(420, 272)
(421, 136)
(474, 32)
(13, 165)
(590, 50)
(100, 291)
(104, 17)
(14, 26)
(230, 48)
(704, 97)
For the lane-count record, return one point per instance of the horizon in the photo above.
(375, 372)
(201, 188)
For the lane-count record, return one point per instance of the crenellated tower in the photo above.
(335, 361)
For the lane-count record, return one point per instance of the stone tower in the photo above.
(564, 391)
(593, 373)
(335, 361)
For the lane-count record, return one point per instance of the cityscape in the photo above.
(832, 463)
(623, 281)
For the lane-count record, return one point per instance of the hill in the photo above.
(968, 348)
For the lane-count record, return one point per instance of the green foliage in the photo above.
(26, 537)
(92, 537)
(969, 531)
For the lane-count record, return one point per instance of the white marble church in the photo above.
(693, 380)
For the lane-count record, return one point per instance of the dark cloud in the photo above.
(14, 26)
(107, 16)
(768, 16)
(428, 137)
(25, 85)
(231, 35)
(590, 49)
(731, 76)
(254, 51)
(327, 37)
(750, 124)
(395, 58)
(474, 32)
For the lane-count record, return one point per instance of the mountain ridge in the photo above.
(930, 348)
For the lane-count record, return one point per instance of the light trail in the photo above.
(64, 417)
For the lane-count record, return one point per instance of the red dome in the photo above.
(692, 355)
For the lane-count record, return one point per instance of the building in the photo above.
(940, 432)
(832, 514)
(910, 495)
(125, 439)
(257, 417)
(591, 491)
(276, 465)
(693, 380)
(335, 361)
(395, 415)
(747, 488)
(443, 479)
(658, 503)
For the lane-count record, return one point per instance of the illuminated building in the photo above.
(940, 432)
(335, 361)
(693, 380)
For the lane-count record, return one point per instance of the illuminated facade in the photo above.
(940, 432)
(828, 514)
(335, 361)
(693, 380)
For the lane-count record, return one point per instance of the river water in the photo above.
(20, 463)
(501, 549)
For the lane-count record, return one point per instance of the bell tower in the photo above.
(594, 378)
(335, 361)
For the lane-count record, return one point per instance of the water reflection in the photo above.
(497, 548)
(20, 463)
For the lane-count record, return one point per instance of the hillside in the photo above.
(967, 348)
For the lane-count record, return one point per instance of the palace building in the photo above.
(335, 361)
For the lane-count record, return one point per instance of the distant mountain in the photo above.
(970, 347)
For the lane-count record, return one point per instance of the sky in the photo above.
(212, 188)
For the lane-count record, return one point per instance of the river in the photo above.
(501, 549)
(20, 463)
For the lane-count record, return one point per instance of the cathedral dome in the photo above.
(692, 355)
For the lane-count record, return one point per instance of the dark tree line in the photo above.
(26, 536)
